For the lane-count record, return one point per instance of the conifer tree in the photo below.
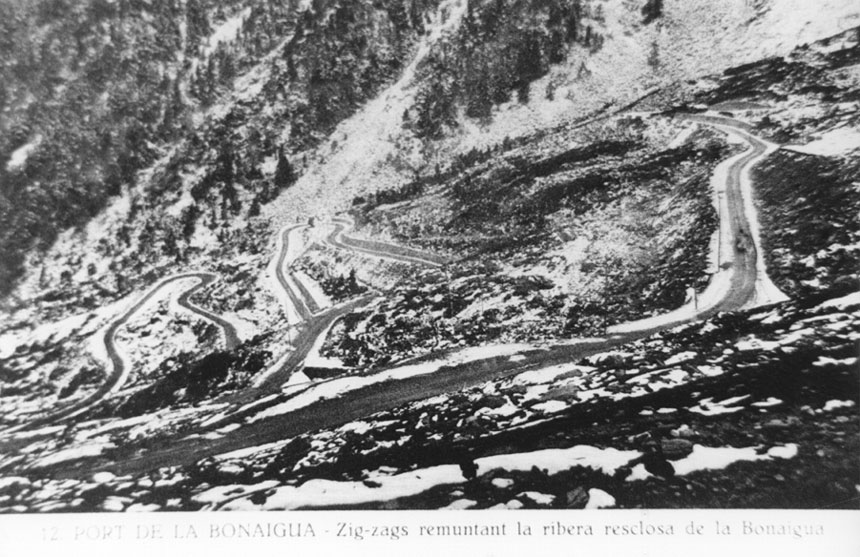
(652, 10)
(284, 173)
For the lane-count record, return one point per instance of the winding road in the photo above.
(381, 250)
(231, 337)
(740, 277)
(286, 283)
(120, 368)
(742, 280)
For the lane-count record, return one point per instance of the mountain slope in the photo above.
(391, 222)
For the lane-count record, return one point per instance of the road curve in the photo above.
(120, 368)
(296, 299)
(381, 250)
(231, 336)
(275, 379)
(738, 281)
(378, 397)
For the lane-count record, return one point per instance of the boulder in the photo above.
(576, 498)
(676, 449)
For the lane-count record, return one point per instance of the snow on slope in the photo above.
(293, 251)
(722, 250)
(366, 141)
(313, 289)
(337, 387)
(19, 156)
(832, 143)
(227, 32)
(695, 37)
(327, 492)
(794, 22)
(385, 487)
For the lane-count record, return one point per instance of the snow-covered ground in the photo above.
(315, 359)
(318, 493)
(225, 33)
(337, 387)
(19, 156)
(43, 333)
(693, 38)
(381, 486)
(832, 143)
(367, 140)
(722, 250)
(319, 297)
(168, 288)
(294, 249)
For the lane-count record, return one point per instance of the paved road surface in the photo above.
(120, 368)
(295, 297)
(379, 397)
(380, 249)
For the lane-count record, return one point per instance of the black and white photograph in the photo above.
(412, 255)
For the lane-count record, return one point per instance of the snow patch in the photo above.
(710, 371)
(539, 498)
(843, 303)
(831, 405)
(21, 154)
(460, 505)
(771, 401)
(84, 451)
(599, 499)
(787, 451)
(219, 493)
(682, 137)
(549, 374)
(226, 32)
(679, 358)
(714, 458)
(832, 143)
(550, 406)
(318, 493)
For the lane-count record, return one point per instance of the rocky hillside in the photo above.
(149, 89)
(509, 180)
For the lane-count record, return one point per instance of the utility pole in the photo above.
(719, 229)
(450, 301)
